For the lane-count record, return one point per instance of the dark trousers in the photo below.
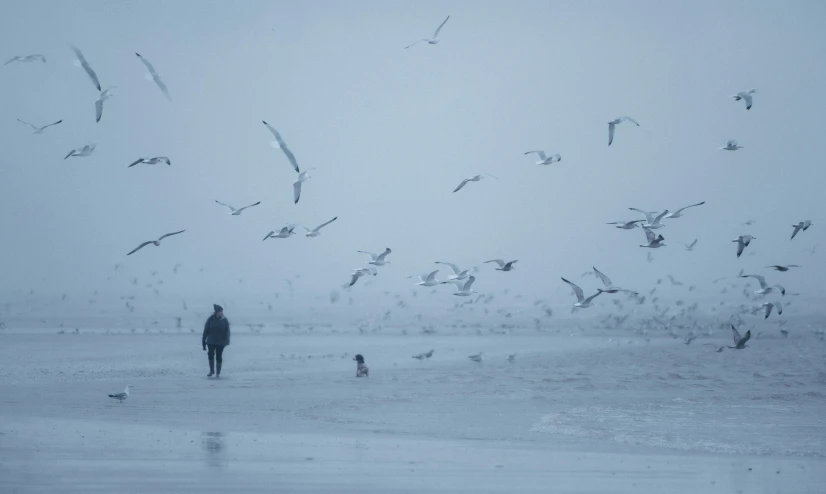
(215, 354)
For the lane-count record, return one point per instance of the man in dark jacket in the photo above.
(216, 337)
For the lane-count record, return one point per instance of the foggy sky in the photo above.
(393, 131)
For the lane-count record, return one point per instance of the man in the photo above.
(216, 336)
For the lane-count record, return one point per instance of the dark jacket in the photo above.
(216, 331)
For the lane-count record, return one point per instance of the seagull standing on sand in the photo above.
(427, 279)
(283, 233)
(613, 123)
(803, 225)
(155, 77)
(654, 242)
(104, 95)
(39, 130)
(609, 286)
(317, 230)
(121, 396)
(88, 68)
(745, 96)
(156, 243)
(679, 213)
(546, 160)
(27, 58)
(236, 212)
(503, 266)
(764, 287)
(84, 150)
(783, 269)
(739, 342)
(690, 247)
(582, 302)
(279, 143)
(302, 177)
(626, 225)
(475, 178)
(434, 39)
(377, 259)
(151, 161)
(732, 145)
(743, 241)
(465, 290)
(768, 306)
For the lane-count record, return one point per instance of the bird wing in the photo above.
(539, 152)
(71, 153)
(631, 120)
(759, 279)
(797, 228)
(251, 205)
(98, 110)
(747, 97)
(30, 125)
(459, 187)
(415, 43)
(86, 67)
(768, 311)
(436, 34)
(430, 277)
(592, 297)
(692, 244)
(51, 124)
(693, 205)
(296, 191)
(611, 132)
(500, 262)
(319, 227)
(155, 76)
(283, 145)
(139, 160)
(165, 160)
(779, 307)
(355, 277)
(468, 283)
(384, 254)
(226, 205)
(452, 266)
(736, 334)
(118, 396)
(660, 217)
(170, 234)
(740, 246)
(605, 280)
(12, 59)
(648, 216)
(649, 235)
(745, 338)
(373, 256)
(577, 290)
(141, 246)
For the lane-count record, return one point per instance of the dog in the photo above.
(361, 368)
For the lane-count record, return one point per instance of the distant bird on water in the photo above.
(434, 39)
(479, 357)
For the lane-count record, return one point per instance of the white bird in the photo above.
(609, 286)
(27, 58)
(377, 259)
(652, 222)
(39, 130)
(302, 177)
(613, 123)
(427, 279)
(317, 230)
(283, 233)
(803, 225)
(732, 145)
(479, 357)
(764, 287)
(361, 272)
(458, 274)
(475, 178)
(739, 342)
(434, 39)
(155, 77)
(546, 160)
(582, 302)
(84, 150)
(690, 247)
(465, 290)
(279, 142)
(151, 161)
(768, 306)
(503, 266)
(156, 243)
(654, 242)
(745, 96)
(121, 396)
(88, 68)
(626, 225)
(783, 269)
(104, 95)
(236, 212)
(743, 241)
(679, 213)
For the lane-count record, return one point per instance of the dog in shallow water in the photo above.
(361, 368)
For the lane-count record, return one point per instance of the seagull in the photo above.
(479, 357)
(745, 96)
(625, 225)
(361, 272)
(679, 213)
(609, 286)
(88, 68)
(546, 160)
(283, 233)
(155, 77)
(613, 123)
(236, 212)
(739, 342)
(122, 396)
(423, 356)
(317, 230)
(475, 178)
(156, 243)
(653, 242)
(803, 225)
(104, 95)
(582, 302)
(434, 39)
(743, 241)
(279, 142)
(427, 279)
(511, 357)
(764, 288)
(458, 274)
(768, 308)
(27, 58)
(503, 266)
(652, 222)
(39, 130)
(783, 269)
(690, 247)
(377, 259)
(466, 291)
(151, 161)
(732, 145)
(84, 150)
(302, 177)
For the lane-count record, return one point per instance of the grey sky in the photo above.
(393, 131)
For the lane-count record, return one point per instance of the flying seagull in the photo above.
(625, 225)
(302, 177)
(739, 342)
(690, 247)
(121, 396)
(465, 290)
(764, 287)
(361, 272)
(745, 96)
(609, 286)
(546, 160)
(427, 279)
(458, 274)
(653, 242)
(156, 243)
(236, 212)
(279, 142)
(434, 39)
(39, 130)
(768, 306)
(377, 259)
(652, 222)
(743, 241)
(679, 213)
(503, 266)
(88, 68)
(317, 230)
(155, 77)
(84, 150)
(613, 123)
(582, 302)
(475, 178)
(285, 232)
(803, 225)
(783, 269)
(27, 58)
(104, 95)
(732, 145)
(151, 161)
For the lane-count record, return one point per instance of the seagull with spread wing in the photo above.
(155, 77)
(613, 123)
(317, 230)
(236, 212)
(156, 243)
(279, 143)
(39, 130)
(81, 60)
(434, 39)
(582, 302)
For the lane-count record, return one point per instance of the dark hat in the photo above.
(217, 308)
